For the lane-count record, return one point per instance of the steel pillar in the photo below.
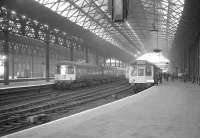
(32, 63)
(97, 59)
(47, 61)
(71, 52)
(199, 57)
(104, 61)
(86, 55)
(13, 61)
(6, 59)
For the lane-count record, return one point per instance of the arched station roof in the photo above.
(188, 30)
(91, 21)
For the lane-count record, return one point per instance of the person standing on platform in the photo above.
(160, 78)
(167, 77)
(156, 78)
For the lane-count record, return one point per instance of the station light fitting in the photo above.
(64, 33)
(119, 10)
(157, 50)
(3, 8)
(45, 25)
(35, 21)
(24, 17)
(13, 12)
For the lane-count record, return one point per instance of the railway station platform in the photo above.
(20, 84)
(169, 110)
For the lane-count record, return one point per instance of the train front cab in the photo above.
(141, 75)
(65, 75)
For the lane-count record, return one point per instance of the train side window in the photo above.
(70, 70)
(58, 69)
(63, 69)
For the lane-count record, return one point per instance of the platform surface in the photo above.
(170, 110)
(25, 84)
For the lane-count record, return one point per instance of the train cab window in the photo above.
(141, 71)
(58, 69)
(63, 69)
(148, 70)
(70, 69)
(134, 71)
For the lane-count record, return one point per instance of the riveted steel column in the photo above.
(196, 67)
(196, 61)
(199, 56)
(189, 63)
(97, 59)
(6, 59)
(193, 63)
(13, 61)
(104, 61)
(71, 52)
(47, 61)
(86, 55)
(32, 63)
(47, 57)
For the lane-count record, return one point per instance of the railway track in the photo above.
(13, 95)
(15, 118)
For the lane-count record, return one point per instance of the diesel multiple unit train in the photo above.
(72, 74)
(142, 73)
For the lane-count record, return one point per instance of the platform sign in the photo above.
(119, 10)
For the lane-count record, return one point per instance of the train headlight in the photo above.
(133, 81)
(151, 81)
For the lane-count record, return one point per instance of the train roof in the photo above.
(66, 62)
(140, 62)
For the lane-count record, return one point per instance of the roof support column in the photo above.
(196, 67)
(32, 63)
(97, 59)
(197, 62)
(6, 59)
(47, 58)
(86, 55)
(13, 61)
(71, 52)
(199, 56)
(104, 61)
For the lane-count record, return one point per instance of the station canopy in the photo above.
(151, 23)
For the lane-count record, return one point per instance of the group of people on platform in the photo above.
(159, 77)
